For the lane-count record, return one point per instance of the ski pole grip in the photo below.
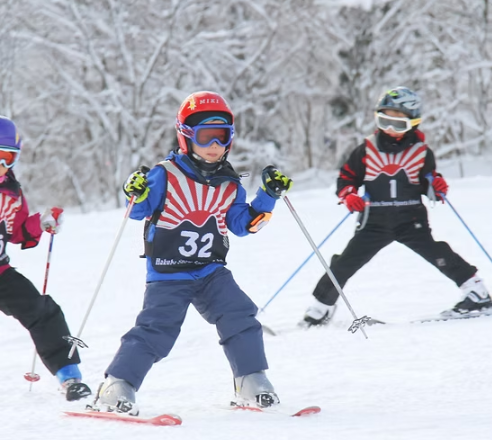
(269, 173)
(144, 169)
(431, 194)
(364, 215)
(56, 212)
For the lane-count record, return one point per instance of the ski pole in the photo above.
(304, 263)
(364, 215)
(466, 226)
(32, 376)
(358, 322)
(430, 178)
(75, 340)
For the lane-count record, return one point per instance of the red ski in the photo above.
(162, 420)
(308, 411)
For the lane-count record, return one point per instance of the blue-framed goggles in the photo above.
(8, 156)
(205, 135)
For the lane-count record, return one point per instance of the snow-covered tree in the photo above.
(94, 86)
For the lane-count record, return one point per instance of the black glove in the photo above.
(275, 184)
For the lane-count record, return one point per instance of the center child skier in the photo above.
(190, 200)
(393, 164)
(39, 314)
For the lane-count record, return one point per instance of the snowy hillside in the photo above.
(407, 381)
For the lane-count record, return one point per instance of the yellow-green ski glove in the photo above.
(136, 185)
(275, 184)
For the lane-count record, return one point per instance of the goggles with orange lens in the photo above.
(206, 134)
(8, 157)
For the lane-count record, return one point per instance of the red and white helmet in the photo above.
(198, 107)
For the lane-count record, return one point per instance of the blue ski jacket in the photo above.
(237, 218)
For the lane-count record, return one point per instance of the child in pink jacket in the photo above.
(39, 314)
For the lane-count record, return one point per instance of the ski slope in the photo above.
(407, 381)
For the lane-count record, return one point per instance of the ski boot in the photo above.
(476, 299)
(70, 380)
(115, 395)
(317, 314)
(254, 390)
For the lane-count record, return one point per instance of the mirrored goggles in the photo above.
(399, 125)
(206, 134)
(8, 157)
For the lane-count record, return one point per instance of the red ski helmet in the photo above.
(197, 108)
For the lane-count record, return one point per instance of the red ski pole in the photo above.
(32, 376)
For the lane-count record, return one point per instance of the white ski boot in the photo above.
(475, 299)
(116, 395)
(317, 314)
(254, 390)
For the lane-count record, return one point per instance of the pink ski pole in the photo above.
(32, 376)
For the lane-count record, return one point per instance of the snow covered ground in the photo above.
(407, 381)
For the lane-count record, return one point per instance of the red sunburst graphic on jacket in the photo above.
(8, 209)
(410, 160)
(195, 202)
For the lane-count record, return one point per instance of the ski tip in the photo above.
(308, 411)
(166, 420)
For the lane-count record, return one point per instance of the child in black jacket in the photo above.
(393, 165)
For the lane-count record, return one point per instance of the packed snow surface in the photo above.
(406, 381)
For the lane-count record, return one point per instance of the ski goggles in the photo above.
(398, 125)
(206, 134)
(8, 156)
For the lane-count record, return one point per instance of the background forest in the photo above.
(94, 86)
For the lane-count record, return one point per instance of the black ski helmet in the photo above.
(401, 99)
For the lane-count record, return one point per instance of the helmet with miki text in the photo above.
(197, 109)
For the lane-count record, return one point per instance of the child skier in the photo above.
(39, 314)
(190, 200)
(393, 164)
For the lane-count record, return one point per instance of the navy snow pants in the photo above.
(218, 299)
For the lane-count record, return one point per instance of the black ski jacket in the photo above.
(392, 171)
